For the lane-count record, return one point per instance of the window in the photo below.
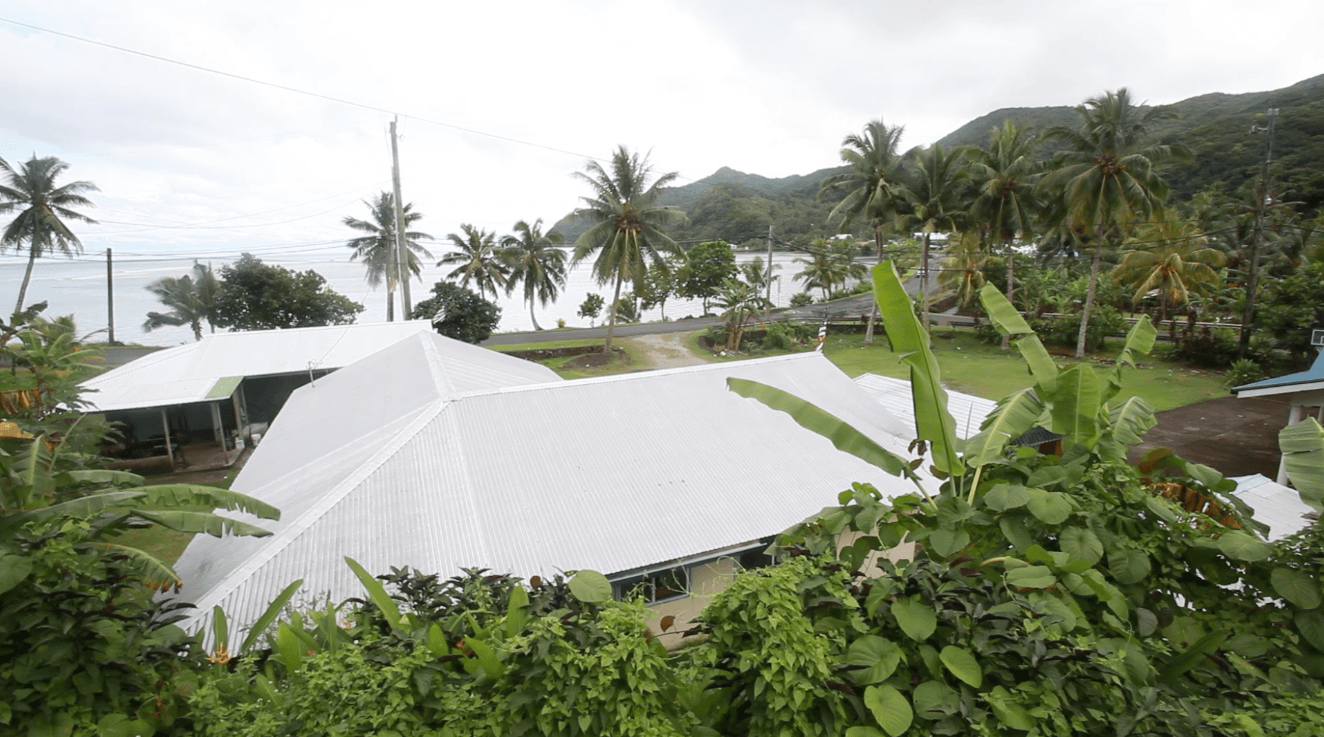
(659, 586)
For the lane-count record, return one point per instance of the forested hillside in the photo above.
(1216, 127)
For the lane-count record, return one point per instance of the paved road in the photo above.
(860, 304)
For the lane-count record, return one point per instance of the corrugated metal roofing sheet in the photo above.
(1275, 505)
(968, 410)
(610, 474)
(188, 373)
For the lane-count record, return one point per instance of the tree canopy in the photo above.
(259, 296)
(458, 313)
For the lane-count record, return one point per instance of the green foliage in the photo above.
(801, 299)
(591, 307)
(458, 313)
(191, 299)
(1244, 371)
(707, 267)
(258, 296)
(1291, 307)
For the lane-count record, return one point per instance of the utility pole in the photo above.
(1261, 197)
(110, 300)
(769, 278)
(402, 255)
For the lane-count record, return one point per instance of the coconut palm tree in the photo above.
(628, 227)
(535, 262)
(477, 260)
(937, 189)
(963, 269)
(740, 303)
(1171, 256)
(42, 209)
(191, 300)
(1106, 177)
(872, 185)
(1005, 174)
(377, 248)
(823, 269)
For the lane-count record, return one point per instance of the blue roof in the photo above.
(1313, 374)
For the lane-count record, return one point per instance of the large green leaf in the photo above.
(1302, 444)
(935, 700)
(1015, 415)
(590, 587)
(1128, 565)
(220, 628)
(193, 495)
(1008, 711)
(1192, 656)
(1081, 544)
(1050, 507)
(1129, 420)
(1075, 404)
(194, 522)
(1002, 497)
(377, 594)
(269, 615)
(1009, 322)
(1139, 341)
(1031, 577)
(13, 569)
(1311, 626)
(846, 438)
(890, 708)
(100, 476)
(915, 618)
(517, 611)
(1238, 545)
(1298, 587)
(932, 420)
(962, 664)
(153, 570)
(878, 655)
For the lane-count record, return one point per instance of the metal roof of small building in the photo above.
(968, 410)
(189, 373)
(1275, 505)
(612, 474)
(1302, 381)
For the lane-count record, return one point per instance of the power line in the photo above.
(297, 91)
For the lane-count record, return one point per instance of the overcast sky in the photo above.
(194, 163)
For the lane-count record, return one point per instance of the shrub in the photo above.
(802, 299)
(1205, 347)
(780, 336)
(1244, 371)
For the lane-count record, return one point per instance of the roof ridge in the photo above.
(440, 379)
(288, 535)
(636, 375)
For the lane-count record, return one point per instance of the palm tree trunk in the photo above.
(27, 275)
(1089, 296)
(531, 317)
(390, 304)
(611, 318)
(873, 314)
(924, 284)
(1011, 289)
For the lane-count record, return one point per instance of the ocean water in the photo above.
(79, 287)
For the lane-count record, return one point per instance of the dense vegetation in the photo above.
(1036, 594)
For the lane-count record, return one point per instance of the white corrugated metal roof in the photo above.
(1275, 505)
(967, 410)
(611, 474)
(185, 374)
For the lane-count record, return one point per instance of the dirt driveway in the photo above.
(1236, 436)
(666, 350)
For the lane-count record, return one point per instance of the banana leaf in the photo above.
(1075, 404)
(932, 420)
(1014, 416)
(1139, 342)
(212, 524)
(1009, 322)
(1303, 455)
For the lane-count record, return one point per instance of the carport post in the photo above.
(169, 450)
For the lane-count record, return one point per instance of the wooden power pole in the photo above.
(402, 254)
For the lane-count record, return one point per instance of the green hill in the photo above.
(1216, 127)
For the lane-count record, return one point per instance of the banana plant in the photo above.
(1303, 455)
(30, 486)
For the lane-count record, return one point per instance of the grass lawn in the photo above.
(987, 371)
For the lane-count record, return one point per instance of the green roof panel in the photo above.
(224, 387)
